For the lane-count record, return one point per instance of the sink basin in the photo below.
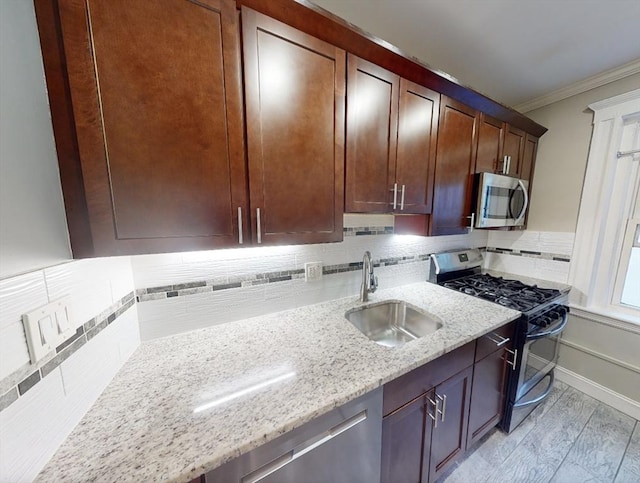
(393, 323)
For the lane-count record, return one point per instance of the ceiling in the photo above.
(511, 50)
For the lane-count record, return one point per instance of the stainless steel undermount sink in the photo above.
(393, 323)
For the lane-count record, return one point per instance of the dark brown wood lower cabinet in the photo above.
(449, 437)
(405, 433)
(419, 442)
(487, 398)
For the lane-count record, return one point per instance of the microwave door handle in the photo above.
(526, 201)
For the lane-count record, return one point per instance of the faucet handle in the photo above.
(374, 283)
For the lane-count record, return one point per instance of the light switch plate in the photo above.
(312, 271)
(47, 327)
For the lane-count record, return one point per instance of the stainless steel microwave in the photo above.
(502, 201)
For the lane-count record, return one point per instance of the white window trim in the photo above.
(599, 235)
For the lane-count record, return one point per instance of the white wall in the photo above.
(562, 156)
(33, 229)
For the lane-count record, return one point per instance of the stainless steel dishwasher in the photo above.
(342, 446)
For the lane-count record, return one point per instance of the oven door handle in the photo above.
(552, 332)
(540, 397)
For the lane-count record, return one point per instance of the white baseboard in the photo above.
(599, 392)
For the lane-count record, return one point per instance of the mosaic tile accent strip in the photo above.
(368, 230)
(530, 254)
(85, 333)
(202, 286)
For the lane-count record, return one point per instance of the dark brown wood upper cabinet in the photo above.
(490, 141)
(391, 141)
(526, 168)
(295, 101)
(455, 161)
(156, 157)
(372, 129)
(514, 148)
(416, 158)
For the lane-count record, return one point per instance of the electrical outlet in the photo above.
(47, 327)
(312, 271)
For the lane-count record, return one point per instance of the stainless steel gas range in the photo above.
(537, 334)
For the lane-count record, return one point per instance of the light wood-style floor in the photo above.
(571, 438)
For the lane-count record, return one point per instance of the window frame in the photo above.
(608, 197)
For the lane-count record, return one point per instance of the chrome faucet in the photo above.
(369, 280)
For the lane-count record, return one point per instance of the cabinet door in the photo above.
(372, 126)
(525, 170)
(490, 139)
(487, 395)
(156, 97)
(416, 158)
(454, 168)
(295, 100)
(514, 147)
(448, 440)
(406, 434)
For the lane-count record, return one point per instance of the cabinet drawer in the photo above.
(488, 343)
(405, 388)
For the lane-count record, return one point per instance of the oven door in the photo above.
(502, 201)
(540, 352)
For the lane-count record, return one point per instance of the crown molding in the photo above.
(579, 87)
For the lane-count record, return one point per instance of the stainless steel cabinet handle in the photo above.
(395, 195)
(515, 358)
(443, 412)
(304, 448)
(258, 225)
(497, 339)
(240, 240)
(434, 416)
(505, 164)
(472, 222)
(402, 199)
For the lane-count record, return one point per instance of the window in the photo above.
(605, 271)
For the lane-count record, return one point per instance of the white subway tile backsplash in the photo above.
(32, 429)
(19, 295)
(14, 353)
(120, 277)
(552, 270)
(92, 366)
(556, 242)
(86, 281)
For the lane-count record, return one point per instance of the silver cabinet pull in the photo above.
(497, 339)
(395, 195)
(443, 411)
(304, 448)
(436, 411)
(515, 358)
(240, 239)
(472, 222)
(258, 225)
(402, 199)
(506, 164)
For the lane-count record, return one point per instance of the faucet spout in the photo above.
(369, 280)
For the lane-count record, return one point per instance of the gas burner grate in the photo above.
(509, 293)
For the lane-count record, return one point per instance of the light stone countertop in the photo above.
(168, 414)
